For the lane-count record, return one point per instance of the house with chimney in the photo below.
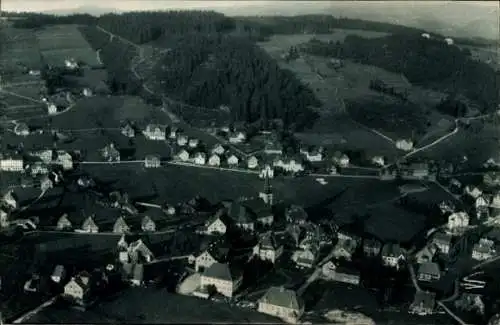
(214, 160)
(269, 247)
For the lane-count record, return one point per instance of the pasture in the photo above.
(61, 42)
(19, 51)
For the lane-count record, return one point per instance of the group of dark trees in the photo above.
(426, 62)
(380, 86)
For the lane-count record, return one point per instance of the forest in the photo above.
(428, 63)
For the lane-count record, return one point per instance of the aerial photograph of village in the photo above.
(301, 162)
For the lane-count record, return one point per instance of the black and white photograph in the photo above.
(249, 162)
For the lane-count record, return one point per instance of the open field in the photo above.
(154, 306)
(92, 78)
(478, 143)
(345, 134)
(19, 49)
(61, 42)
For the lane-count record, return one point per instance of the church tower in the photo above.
(267, 194)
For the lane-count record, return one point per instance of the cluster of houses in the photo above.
(36, 163)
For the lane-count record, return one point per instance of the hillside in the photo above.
(429, 63)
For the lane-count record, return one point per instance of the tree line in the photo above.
(429, 63)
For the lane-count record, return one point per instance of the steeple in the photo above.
(267, 194)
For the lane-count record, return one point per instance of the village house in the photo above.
(426, 35)
(282, 303)
(22, 129)
(216, 252)
(10, 200)
(371, 247)
(58, 274)
(148, 224)
(120, 226)
(183, 155)
(182, 140)
(404, 144)
(273, 148)
(174, 132)
(241, 216)
(87, 92)
(225, 278)
(46, 156)
(415, 171)
(218, 224)
(306, 257)
(155, 132)
(214, 160)
(233, 161)
(332, 271)
(136, 252)
(378, 161)
(333, 170)
(193, 143)
(293, 165)
(218, 150)
(37, 168)
(89, 225)
(428, 272)
(4, 219)
(393, 255)
(344, 249)
(14, 163)
(340, 159)
(442, 241)
(312, 154)
(51, 108)
(152, 161)
(426, 254)
(458, 221)
(237, 137)
(63, 159)
(200, 158)
(78, 289)
(423, 303)
(296, 214)
(266, 172)
(473, 191)
(71, 64)
(34, 72)
(110, 153)
(63, 223)
(128, 130)
(252, 162)
(449, 41)
(269, 248)
(261, 209)
(483, 250)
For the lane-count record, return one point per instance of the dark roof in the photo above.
(269, 241)
(222, 272)
(429, 268)
(240, 214)
(296, 213)
(279, 296)
(393, 250)
(258, 207)
(424, 298)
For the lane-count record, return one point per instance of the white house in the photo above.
(70, 63)
(155, 132)
(458, 221)
(404, 144)
(64, 160)
(289, 165)
(268, 248)
(182, 140)
(22, 129)
(218, 149)
(87, 92)
(313, 155)
(252, 162)
(183, 155)
(340, 159)
(482, 202)
(426, 35)
(193, 143)
(217, 224)
(378, 160)
(89, 226)
(393, 255)
(233, 161)
(473, 191)
(483, 250)
(214, 160)
(449, 41)
(11, 164)
(237, 137)
(51, 109)
(200, 158)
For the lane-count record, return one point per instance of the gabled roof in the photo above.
(429, 268)
(425, 299)
(240, 214)
(392, 250)
(279, 296)
(258, 207)
(89, 222)
(222, 272)
(83, 279)
(269, 241)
